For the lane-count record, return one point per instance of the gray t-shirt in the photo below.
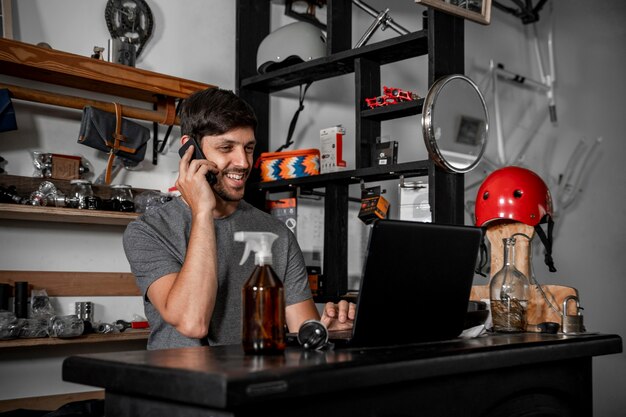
(156, 244)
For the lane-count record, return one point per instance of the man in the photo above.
(184, 256)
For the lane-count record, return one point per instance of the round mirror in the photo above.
(455, 123)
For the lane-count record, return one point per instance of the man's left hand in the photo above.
(339, 316)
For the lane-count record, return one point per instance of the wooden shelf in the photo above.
(385, 52)
(26, 185)
(65, 215)
(128, 335)
(61, 68)
(76, 283)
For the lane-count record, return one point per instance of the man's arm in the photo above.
(335, 316)
(186, 299)
(298, 313)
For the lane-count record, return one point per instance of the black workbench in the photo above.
(497, 375)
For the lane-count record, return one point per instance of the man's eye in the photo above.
(226, 148)
(250, 149)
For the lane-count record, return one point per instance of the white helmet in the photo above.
(294, 43)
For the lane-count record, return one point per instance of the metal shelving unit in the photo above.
(441, 39)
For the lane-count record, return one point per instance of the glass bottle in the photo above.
(263, 312)
(509, 293)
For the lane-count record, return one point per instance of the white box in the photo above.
(414, 205)
(331, 149)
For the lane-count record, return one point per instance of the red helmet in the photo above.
(513, 193)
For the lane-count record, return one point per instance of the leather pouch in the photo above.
(7, 112)
(112, 133)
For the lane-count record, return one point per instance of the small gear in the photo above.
(131, 19)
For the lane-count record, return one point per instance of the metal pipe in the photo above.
(388, 21)
(496, 105)
(516, 78)
(73, 102)
(370, 31)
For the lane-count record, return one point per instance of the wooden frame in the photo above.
(6, 19)
(460, 8)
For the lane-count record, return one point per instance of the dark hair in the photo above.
(214, 112)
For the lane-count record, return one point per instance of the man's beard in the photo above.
(224, 194)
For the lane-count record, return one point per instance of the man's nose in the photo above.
(241, 158)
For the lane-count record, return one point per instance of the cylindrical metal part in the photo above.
(84, 310)
(21, 300)
(5, 294)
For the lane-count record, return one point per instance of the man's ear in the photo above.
(184, 139)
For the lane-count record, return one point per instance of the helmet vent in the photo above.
(485, 195)
(518, 193)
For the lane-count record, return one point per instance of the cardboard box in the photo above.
(385, 153)
(65, 167)
(331, 149)
(413, 201)
(373, 205)
(285, 210)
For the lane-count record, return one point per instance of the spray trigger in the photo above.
(246, 253)
(258, 242)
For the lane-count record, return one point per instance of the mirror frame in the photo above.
(484, 17)
(428, 129)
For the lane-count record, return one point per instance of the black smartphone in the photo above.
(197, 154)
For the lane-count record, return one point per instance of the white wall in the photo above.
(194, 39)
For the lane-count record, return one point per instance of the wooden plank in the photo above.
(26, 185)
(65, 215)
(92, 338)
(61, 283)
(539, 310)
(49, 402)
(61, 68)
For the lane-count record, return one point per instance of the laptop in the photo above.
(415, 286)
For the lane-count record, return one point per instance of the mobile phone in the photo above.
(197, 154)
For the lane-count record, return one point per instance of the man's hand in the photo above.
(192, 183)
(339, 316)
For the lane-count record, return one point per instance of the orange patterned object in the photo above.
(288, 164)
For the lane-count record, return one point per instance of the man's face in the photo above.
(232, 153)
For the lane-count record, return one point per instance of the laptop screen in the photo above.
(416, 282)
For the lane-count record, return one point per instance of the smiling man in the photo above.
(183, 255)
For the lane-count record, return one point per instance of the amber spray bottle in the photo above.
(263, 297)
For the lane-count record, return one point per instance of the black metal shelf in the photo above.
(354, 176)
(384, 52)
(394, 111)
(441, 41)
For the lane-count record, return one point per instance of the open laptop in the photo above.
(416, 284)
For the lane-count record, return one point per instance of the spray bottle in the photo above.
(263, 295)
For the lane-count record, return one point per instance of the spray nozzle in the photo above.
(258, 242)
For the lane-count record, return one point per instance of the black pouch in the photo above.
(112, 133)
(7, 112)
